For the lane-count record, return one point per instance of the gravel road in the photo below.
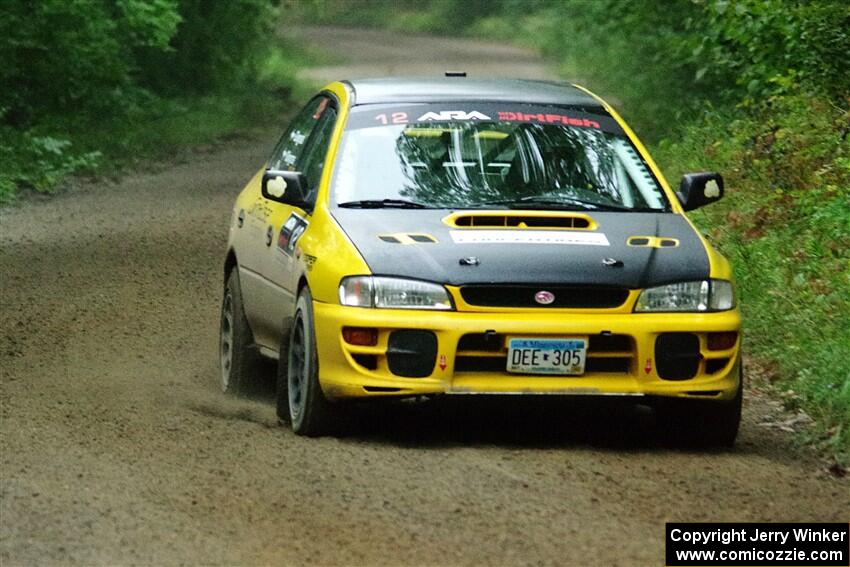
(117, 447)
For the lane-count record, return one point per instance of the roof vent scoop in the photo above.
(455, 73)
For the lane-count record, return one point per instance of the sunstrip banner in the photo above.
(374, 115)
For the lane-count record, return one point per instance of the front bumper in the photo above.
(349, 371)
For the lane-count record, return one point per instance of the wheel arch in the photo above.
(229, 263)
(286, 328)
(302, 283)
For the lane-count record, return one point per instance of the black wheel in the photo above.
(240, 360)
(704, 422)
(720, 421)
(309, 412)
(282, 380)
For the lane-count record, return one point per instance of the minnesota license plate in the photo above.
(547, 356)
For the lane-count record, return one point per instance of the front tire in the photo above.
(703, 422)
(310, 413)
(239, 358)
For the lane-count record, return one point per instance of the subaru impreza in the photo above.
(451, 236)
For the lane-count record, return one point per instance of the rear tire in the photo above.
(239, 358)
(309, 411)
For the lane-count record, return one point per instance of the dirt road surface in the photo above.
(117, 447)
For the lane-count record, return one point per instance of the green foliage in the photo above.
(218, 45)
(39, 162)
(418, 16)
(785, 224)
(74, 56)
(84, 82)
(773, 46)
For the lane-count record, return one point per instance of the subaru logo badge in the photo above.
(544, 297)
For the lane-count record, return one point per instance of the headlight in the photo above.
(707, 295)
(392, 293)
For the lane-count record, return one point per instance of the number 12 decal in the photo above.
(394, 118)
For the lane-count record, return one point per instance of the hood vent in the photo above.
(521, 220)
(653, 241)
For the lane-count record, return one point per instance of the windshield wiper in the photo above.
(382, 204)
(563, 202)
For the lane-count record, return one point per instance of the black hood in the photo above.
(580, 256)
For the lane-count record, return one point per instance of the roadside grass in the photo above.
(148, 127)
(785, 225)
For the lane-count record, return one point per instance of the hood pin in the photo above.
(469, 261)
(612, 263)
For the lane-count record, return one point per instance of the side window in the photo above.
(312, 160)
(289, 148)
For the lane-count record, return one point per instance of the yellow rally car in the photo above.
(454, 236)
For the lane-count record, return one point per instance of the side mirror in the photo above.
(699, 189)
(289, 187)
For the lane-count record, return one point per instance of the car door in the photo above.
(270, 281)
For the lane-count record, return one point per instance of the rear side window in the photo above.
(294, 141)
(312, 159)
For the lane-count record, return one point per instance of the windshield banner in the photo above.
(372, 116)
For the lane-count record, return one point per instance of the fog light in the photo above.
(722, 341)
(362, 336)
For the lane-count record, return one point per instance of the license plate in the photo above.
(547, 356)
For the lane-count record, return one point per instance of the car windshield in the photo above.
(490, 156)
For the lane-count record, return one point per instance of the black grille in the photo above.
(368, 361)
(610, 343)
(480, 363)
(523, 296)
(492, 342)
(715, 365)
